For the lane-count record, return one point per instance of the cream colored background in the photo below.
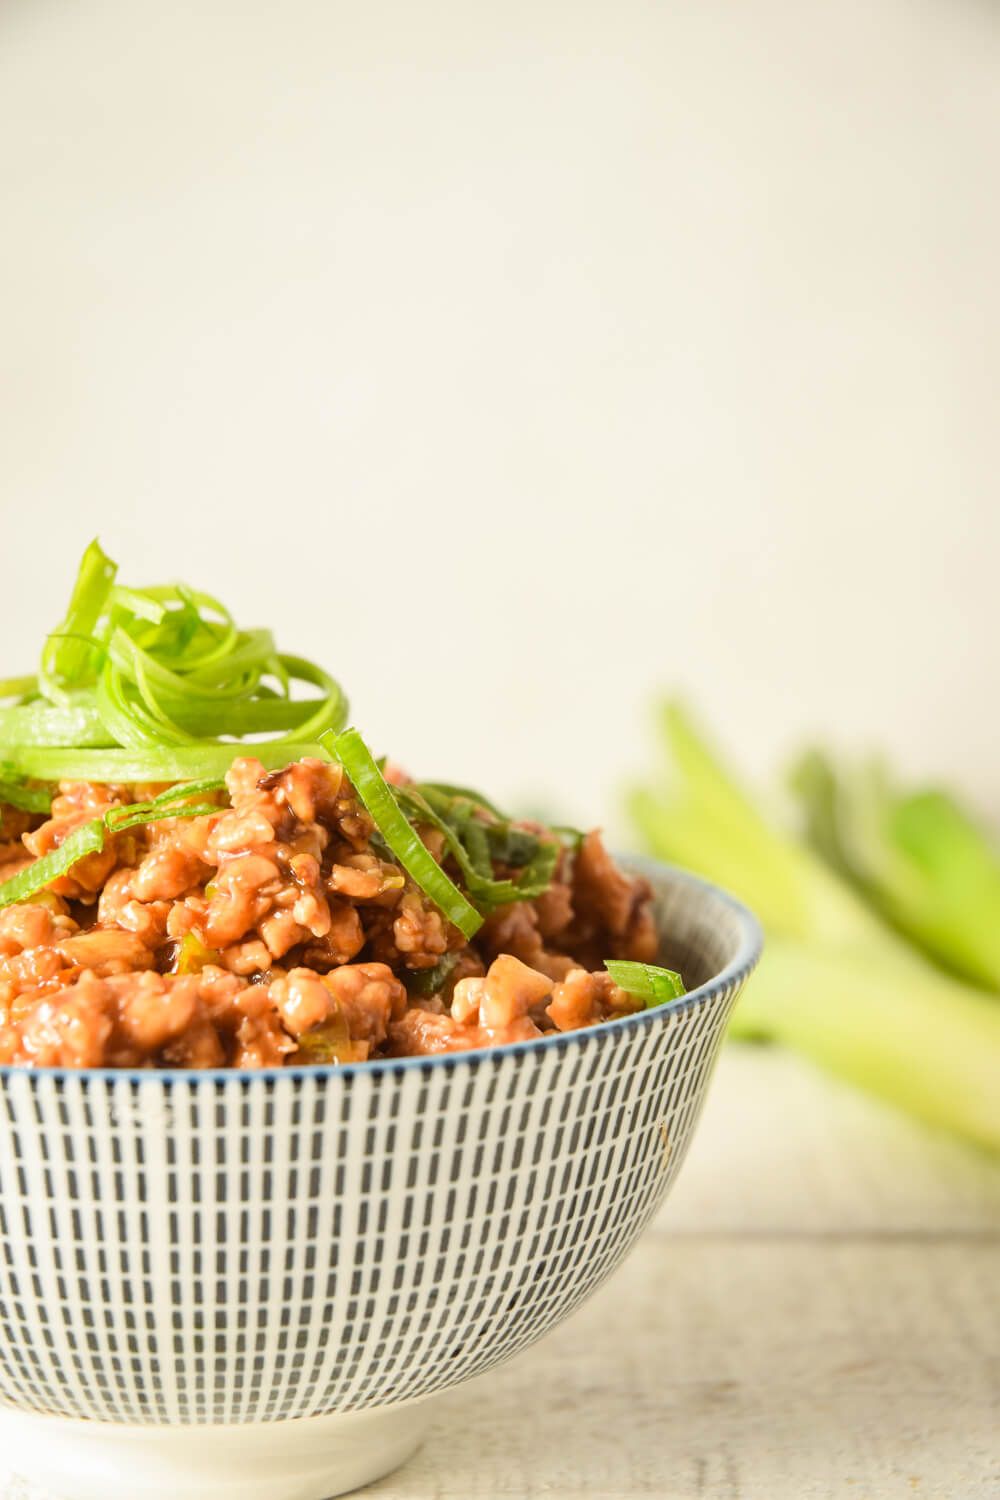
(514, 358)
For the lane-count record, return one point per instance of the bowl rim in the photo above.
(749, 944)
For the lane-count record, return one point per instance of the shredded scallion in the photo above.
(159, 683)
(90, 837)
(468, 841)
(400, 837)
(17, 791)
(647, 982)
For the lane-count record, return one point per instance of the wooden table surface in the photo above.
(815, 1314)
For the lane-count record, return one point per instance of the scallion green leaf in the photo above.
(170, 763)
(18, 687)
(423, 982)
(463, 834)
(398, 833)
(134, 817)
(835, 981)
(18, 792)
(147, 672)
(87, 839)
(653, 985)
(447, 789)
(90, 837)
(69, 648)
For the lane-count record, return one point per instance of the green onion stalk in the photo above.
(919, 857)
(836, 980)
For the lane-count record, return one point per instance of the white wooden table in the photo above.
(816, 1314)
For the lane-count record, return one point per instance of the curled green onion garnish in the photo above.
(18, 687)
(17, 791)
(164, 684)
(398, 834)
(90, 837)
(66, 658)
(647, 982)
(171, 763)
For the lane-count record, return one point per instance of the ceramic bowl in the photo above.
(252, 1285)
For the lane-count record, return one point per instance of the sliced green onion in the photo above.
(140, 813)
(483, 889)
(476, 841)
(463, 793)
(81, 726)
(574, 836)
(399, 835)
(330, 1042)
(18, 687)
(138, 603)
(422, 982)
(510, 843)
(653, 985)
(462, 836)
(87, 839)
(90, 838)
(69, 648)
(208, 683)
(193, 956)
(328, 712)
(537, 875)
(172, 763)
(30, 799)
(41, 724)
(152, 671)
(17, 792)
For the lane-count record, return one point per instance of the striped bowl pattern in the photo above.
(190, 1248)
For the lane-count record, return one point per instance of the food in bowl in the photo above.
(311, 1192)
(178, 892)
(256, 1283)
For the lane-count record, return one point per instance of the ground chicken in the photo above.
(276, 929)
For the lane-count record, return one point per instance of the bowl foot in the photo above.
(314, 1458)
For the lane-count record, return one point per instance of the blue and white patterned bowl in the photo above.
(247, 1284)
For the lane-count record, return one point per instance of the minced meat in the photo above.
(275, 931)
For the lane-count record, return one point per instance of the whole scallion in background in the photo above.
(918, 857)
(863, 915)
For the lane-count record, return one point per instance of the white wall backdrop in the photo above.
(514, 359)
